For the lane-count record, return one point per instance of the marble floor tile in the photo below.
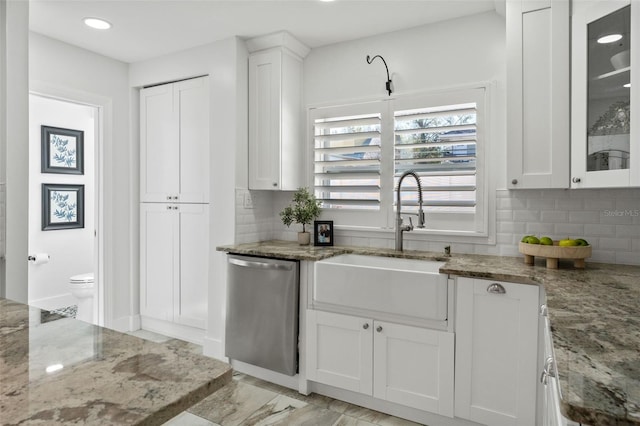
(313, 398)
(188, 419)
(232, 404)
(286, 411)
(358, 412)
(351, 421)
(150, 335)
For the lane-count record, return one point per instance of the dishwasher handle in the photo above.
(260, 265)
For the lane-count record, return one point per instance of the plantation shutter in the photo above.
(439, 144)
(347, 152)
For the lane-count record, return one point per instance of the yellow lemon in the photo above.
(567, 243)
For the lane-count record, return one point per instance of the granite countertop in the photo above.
(594, 315)
(96, 375)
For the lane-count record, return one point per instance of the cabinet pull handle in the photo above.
(379, 329)
(575, 180)
(496, 288)
(365, 325)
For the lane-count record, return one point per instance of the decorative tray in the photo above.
(554, 253)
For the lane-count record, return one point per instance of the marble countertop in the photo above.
(64, 371)
(594, 314)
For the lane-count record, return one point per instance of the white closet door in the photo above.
(159, 150)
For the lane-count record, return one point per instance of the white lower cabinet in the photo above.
(174, 247)
(496, 352)
(403, 364)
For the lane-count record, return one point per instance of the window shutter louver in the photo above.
(347, 161)
(439, 144)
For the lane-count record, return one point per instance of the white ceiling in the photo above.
(144, 29)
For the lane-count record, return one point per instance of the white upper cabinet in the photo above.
(174, 142)
(605, 142)
(538, 108)
(276, 142)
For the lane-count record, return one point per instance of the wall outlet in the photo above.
(248, 200)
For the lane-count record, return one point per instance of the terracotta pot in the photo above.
(304, 238)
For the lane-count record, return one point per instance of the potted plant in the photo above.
(304, 209)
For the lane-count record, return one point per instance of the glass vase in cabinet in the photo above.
(605, 149)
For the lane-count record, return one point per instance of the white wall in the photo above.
(226, 64)
(457, 52)
(70, 250)
(14, 24)
(62, 70)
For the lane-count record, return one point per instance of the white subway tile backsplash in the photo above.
(554, 216)
(526, 215)
(584, 216)
(608, 219)
(598, 230)
(569, 204)
(569, 230)
(541, 204)
(620, 244)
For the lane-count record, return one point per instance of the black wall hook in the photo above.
(388, 85)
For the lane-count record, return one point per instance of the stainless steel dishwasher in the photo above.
(262, 312)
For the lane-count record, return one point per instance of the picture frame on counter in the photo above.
(323, 233)
(62, 206)
(62, 150)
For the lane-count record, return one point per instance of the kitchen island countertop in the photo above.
(594, 315)
(57, 370)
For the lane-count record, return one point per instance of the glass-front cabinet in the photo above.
(605, 148)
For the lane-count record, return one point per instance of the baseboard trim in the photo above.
(54, 302)
(177, 331)
(291, 382)
(214, 348)
(396, 410)
(126, 323)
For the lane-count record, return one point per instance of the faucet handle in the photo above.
(410, 227)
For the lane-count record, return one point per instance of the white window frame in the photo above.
(383, 221)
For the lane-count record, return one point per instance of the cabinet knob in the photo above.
(575, 180)
(379, 329)
(175, 197)
(514, 181)
(496, 288)
(365, 325)
(168, 197)
(274, 184)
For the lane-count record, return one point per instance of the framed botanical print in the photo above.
(62, 206)
(62, 150)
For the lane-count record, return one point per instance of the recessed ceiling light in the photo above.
(628, 85)
(97, 23)
(609, 38)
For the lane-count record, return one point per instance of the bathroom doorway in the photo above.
(64, 208)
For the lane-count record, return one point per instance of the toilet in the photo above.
(82, 289)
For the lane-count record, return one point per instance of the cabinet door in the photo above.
(159, 256)
(414, 367)
(159, 150)
(190, 291)
(192, 102)
(496, 352)
(265, 70)
(538, 94)
(339, 351)
(605, 94)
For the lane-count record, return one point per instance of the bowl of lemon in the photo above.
(576, 249)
